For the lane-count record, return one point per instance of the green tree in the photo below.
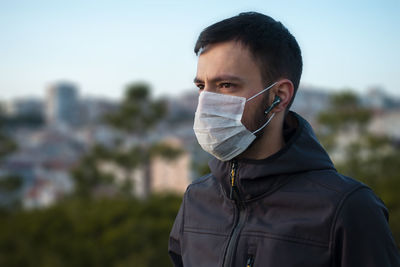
(10, 184)
(87, 175)
(138, 114)
(345, 111)
(7, 145)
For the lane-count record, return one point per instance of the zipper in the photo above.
(233, 180)
(240, 219)
(250, 261)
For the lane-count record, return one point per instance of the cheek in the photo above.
(253, 115)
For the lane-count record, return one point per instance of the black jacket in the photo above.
(290, 209)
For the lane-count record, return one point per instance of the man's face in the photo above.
(229, 68)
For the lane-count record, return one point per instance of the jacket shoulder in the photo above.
(202, 183)
(361, 234)
(314, 198)
(202, 179)
(332, 181)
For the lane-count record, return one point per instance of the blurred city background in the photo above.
(97, 106)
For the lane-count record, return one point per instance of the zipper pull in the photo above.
(250, 261)
(233, 177)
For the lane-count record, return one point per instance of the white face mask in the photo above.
(218, 126)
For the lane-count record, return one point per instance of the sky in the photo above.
(102, 46)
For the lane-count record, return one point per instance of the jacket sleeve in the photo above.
(361, 234)
(174, 244)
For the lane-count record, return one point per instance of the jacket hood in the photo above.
(302, 152)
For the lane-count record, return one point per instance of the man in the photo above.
(273, 197)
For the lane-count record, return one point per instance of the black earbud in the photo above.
(276, 101)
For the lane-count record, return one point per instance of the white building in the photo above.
(386, 124)
(162, 175)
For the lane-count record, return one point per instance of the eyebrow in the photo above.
(225, 77)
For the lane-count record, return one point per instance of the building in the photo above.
(310, 101)
(62, 106)
(25, 107)
(93, 110)
(160, 175)
(171, 175)
(43, 162)
(386, 124)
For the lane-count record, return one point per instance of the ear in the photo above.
(284, 89)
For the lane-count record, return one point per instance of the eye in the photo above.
(200, 86)
(225, 85)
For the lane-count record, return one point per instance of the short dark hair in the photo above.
(274, 48)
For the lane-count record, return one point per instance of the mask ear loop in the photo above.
(265, 124)
(277, 100)
(262, 91)
(268, 110)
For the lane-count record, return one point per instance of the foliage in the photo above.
(165, 151)
(201, 168)
(10, 183)
(138, 111)
(84, 232)
(87, 175)
(137, 115)
(7, 145)
(345, 110)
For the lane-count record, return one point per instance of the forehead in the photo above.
(227, 58)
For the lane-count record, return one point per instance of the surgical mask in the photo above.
(218, 126)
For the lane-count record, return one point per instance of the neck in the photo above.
(270, 142)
